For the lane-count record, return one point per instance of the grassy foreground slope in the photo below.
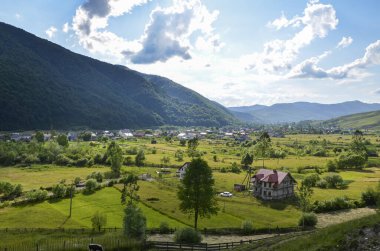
(342, 236)
(367, 120)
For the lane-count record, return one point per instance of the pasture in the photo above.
(159, 197)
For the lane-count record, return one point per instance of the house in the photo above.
(273, 184)
(182, 170)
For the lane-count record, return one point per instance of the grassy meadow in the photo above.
(159, 197)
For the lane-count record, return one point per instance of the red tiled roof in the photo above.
(271, 176)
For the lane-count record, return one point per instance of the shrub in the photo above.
(247, 227)
(164, 228)
(36, 195)
(331, 166)
(338, 203)
(97, 176)
(334, 181)
(351, 160)
(308, 220)
(369, 197)
(91, 186)
(311, 180)
(63, 160)
(322, 184)
(188, 236)
(128, 161)
(235, 168)
(81, 162)
(223, 170)
(59, 191)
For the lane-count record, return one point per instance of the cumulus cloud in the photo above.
(346, 41)
(278, 55)
(377, 91)
(51, 31)
(66, 27)
(166, 35)
(309, 68)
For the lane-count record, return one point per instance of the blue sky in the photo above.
(239, 52)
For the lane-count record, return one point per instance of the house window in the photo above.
(270, 194)
(265, 184)
(265, 193)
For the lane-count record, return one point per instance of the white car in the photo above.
(226, 194)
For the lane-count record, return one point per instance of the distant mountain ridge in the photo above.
(299, 111)
(366, 120)
(45, 86)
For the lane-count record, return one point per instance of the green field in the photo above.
(159, 197)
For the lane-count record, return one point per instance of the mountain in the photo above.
(299, 111)
(45, 86)
(367, 120)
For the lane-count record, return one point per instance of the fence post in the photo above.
(37, 247)
(206, 246)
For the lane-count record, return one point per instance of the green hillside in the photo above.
(367, 120)
(45, 86)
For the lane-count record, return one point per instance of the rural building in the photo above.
(272, 184)
(182, 170)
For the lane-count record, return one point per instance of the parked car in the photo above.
(226, 194)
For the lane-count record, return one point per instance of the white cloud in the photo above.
(346, 41)
(51, 31)
(166, 35)
(168, 31)
(278, 55)
(66, 27)
(18, 16)
(377, 91)
(309, 68)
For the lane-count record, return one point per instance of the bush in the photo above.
(128, 161)
(235, 168)
(59, 191)
(223, 170)
(308, 220)
(188, 236)
(334, 181)
(338, 203)
(331, 166)
(63, 160)
(311, 180)
(322, 184)
(164, 228)
(36, 195)
(369, 197)
(351, 160)
(91, 186)
(81, 162)
(247, 227)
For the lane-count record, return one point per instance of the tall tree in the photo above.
(99, 220)
(139, 158)
(263, 145)
(130, 189)
(115, 154)
(247, 160)
(196, 192)
(304, 198)
(39, 136)
(62, 140)
(192, 145)
(357, 145)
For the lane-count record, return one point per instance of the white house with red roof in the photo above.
(273, 184)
